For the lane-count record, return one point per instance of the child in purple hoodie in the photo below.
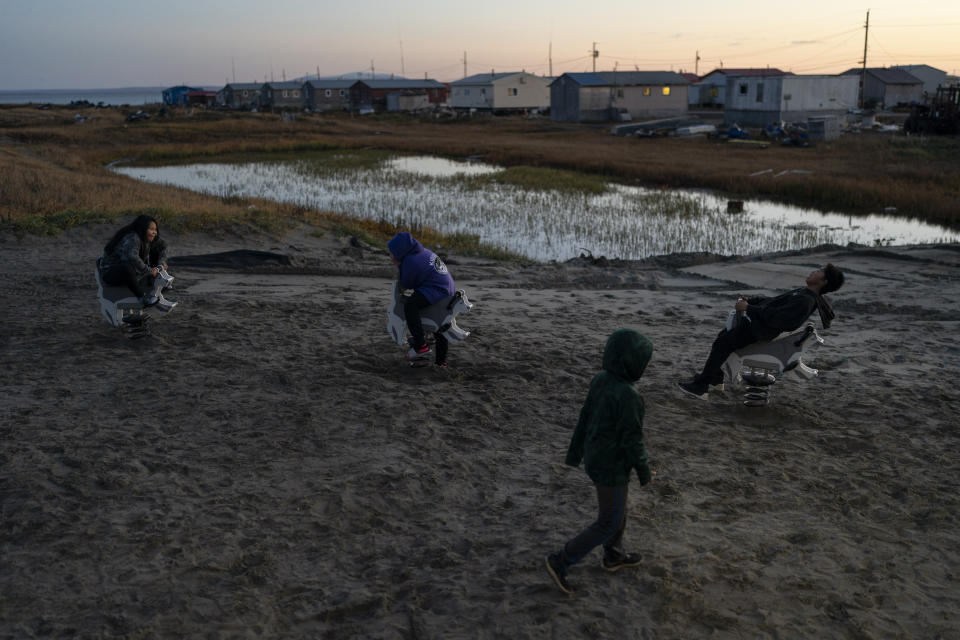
(423, 271)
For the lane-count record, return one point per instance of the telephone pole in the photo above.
(594, 53)
(550, 58)
(863, 74)
(696, 64)
(373, 72)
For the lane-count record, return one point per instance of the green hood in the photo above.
(627, 354)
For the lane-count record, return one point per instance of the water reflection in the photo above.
(626, 222)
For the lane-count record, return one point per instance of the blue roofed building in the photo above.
(178, 95)
(618, 95)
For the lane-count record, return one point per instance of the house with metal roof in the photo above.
(324, 94)
(281, 95)
(759, 100)
(617, 95)
(240, 95)
(888, 87)
(508, 91)
(178, 94)
(711, 90)
(385, 95)
(931, 77)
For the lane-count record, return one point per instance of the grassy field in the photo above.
(54, 172)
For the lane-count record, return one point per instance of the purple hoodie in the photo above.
(421, 269)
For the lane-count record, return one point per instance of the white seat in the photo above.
(440, 316)
(121, 307)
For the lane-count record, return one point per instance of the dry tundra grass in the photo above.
(52, 166)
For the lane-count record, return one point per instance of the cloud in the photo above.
(805, 42)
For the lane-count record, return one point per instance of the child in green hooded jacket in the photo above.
(609, 440)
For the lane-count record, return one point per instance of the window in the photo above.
(296, 93)
(511, 91)
(743, 89)
(646, 91)
(342, 92)
(760, 92)
(327, 93)
(666, 91)
(619, 92)
(244, 94)
(284, 93)
(715, 92)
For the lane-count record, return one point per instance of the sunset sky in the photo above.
(50, 44)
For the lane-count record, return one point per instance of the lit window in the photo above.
(511, 91)
(646, 91)
(296, 94)
(666, 91)
(715, 92)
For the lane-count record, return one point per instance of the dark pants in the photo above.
(411, 311)
(726, 343)
(124, 275)
(607, 530)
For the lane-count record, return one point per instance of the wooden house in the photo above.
(240, 95)
(888, 87)
(372, 94)
(931, 77)
(512, 91)
(710, 91)
(757, 101)
(617, 95)
(327, 95)
(281, 95)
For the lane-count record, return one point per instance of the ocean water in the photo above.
(129, 95)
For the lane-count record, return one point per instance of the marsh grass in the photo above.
(540, 179)
(50, 165)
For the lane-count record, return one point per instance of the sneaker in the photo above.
(148, 300)
(415, 353)
(695, 388)
(441, 364)
(614, 560)
(558, 573)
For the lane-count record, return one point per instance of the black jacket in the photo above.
(771, 316)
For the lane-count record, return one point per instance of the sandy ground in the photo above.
(266, 465)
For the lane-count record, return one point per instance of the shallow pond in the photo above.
(623, 222)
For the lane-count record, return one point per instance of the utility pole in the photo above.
(863, 74)
(403, 71)
(373, 72)
(594, 53)
(464, 64)
(696, 64)
(550, 58)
